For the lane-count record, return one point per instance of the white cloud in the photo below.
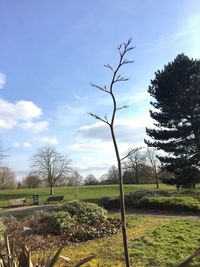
(91, 165)
(2, 80)
(5, 125)
(21, 110)
(46, 140)
(91, 146)
(22, 113)
(100, 146)
(127, 130)
(35, 127)
(22, 145)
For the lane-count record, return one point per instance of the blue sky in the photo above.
(50, 52)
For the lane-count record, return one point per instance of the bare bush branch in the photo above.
(109, 67)
(105, 120)
(131, 152)
(125, 106)
(102, 88)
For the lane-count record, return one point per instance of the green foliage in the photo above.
(186, 200)
(131, 199)
(76, 221)
(110, 203)
(84, 212)
(2, 229)
(58, 222)
(169, 203)
(176, 109)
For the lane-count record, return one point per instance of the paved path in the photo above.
(26, 210)
(30, 209)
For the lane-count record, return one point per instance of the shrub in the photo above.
(110, 203)
(59, 222)
(131, 200)
(75, 221)
(84, 212)
(188, 192)
(2, 229)
(36, 221)
(83, 232)
(170, 203)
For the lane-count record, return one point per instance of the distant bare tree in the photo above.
(31, 181)
(50, 165)
(111, 177)
(7, 178)
(136, 161)
(90, 179)
(123, 49)
(75, 180)
(3, 156)
(154, 163)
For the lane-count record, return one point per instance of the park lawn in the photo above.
(162, 242)
(89, 193)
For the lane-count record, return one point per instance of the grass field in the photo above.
(90, 193)
(152, 242)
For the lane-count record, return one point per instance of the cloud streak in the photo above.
(22, 145)
(127, 130)
(46, 140)
(2, 80)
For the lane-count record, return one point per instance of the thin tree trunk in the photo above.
(157, 184)
(123, 49)
(122, 201)
(51, 190)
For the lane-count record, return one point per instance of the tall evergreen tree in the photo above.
(176, 90)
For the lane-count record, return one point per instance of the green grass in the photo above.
(154, 241)
(89, 193)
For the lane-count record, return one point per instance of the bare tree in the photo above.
(123, 49)
(3, 156)
(7, 178)
(136, 161)
(31, 181)
(50, 165)
(155, 164)
(75, 180)
(90, 179)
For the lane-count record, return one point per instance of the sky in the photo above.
(50, 53)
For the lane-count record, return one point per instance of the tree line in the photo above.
(50, 168)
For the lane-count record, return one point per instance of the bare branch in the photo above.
(109, 67)
(131, 152)
(102, 88)
(105, 120)
(124, 48)
(125, 106)
(126, 61)
(120, 79)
